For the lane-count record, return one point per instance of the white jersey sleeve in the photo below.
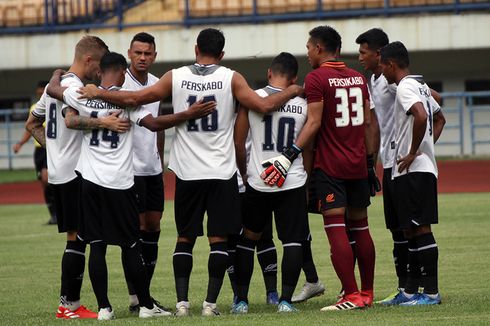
(62, 144)
(270, 134)
(40, 107)
(203, 148)
(146, 158)
(411, 91)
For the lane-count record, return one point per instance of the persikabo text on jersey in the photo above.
(350, 81)
(193, 86)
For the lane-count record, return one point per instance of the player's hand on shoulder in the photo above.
(58, 73)
(297, 90)
(89, 91)
(115, 123)
(200, 109)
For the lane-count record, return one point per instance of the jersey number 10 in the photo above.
(206, 124)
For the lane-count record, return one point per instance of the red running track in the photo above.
(454, 176)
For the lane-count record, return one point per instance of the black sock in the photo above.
(267, 256)
(244, 260)
(400, 256)
(308, 264)
(131, 258)
(182, 262)
(413, 268)
(290, 269)
(217, 264)
(232, 242)
(97, 268)
(149, 251)
(428, 254)
(72, 268)
(352, 242)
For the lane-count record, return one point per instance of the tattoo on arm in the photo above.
(75, 121)
(39, 134)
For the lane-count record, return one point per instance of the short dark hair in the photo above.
(328, 37)
(42, 83)
(397, 52)
(113, 61)
(144, 38)
(211, 41)
(285, 64)
(375, 38)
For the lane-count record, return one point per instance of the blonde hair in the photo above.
(90, 45)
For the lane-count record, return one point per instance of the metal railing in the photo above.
(460, 109)
(59, 15)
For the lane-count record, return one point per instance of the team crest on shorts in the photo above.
(330, 198)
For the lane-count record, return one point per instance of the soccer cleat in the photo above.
(159, 305)
(367, 297)
(154, 312)
(399, 298)
(182, 309)
(422, 299)
(272, 298)
(240, 308)
(209, 309)
(389, 298)
(105, 314)
(60, 313)
(233, 304)
(82, 312)
(348, 302)
(134, 309)
(285, 307)
(309, 291)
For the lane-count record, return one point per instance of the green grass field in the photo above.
(30, 255)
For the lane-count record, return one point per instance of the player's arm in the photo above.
(154, 93)
(162, 122)
(25, 137)
(438, 124)
(437, 97)
(112, 122)
(252, 101)
(161, 141)
(240, 135)
(372, 139)
(34, 125)
(55, 90)
(419, 127)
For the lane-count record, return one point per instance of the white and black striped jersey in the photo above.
(383, 95)
(271, 134)
(203, 148)
(106, 158)
(411, 89)
(146, 159)
(62, 144)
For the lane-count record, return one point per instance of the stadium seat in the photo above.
(12, 14)
(301, 5)
(217, 7)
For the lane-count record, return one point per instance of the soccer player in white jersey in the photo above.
(147, 158)
(202, 156)
(109, 207)
(63, 149)
(383, 96)
(271, 134)
(415, 173)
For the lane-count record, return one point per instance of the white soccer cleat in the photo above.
(309, 291)
(209, 309)
(183, 309)
(154, 312)
(105, 314)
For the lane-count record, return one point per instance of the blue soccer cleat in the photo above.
(272, 298)
(285, 307)
(398, 299)
(422, 299)
(240, 308)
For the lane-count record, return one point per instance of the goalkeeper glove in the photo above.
(276, 168)
(373, 181)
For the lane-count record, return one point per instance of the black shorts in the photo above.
(267, 234)
(335, 193)
(149, 191)
(67, 204)
(40, 160)
(416, 199)
(389, 201)
(289, 208)
(219, 198)
(109, 215)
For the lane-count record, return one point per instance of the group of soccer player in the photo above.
(241, 156)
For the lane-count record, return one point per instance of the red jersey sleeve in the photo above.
(313, 88)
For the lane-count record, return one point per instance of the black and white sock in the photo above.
(131, 258)
(97, 268)
(290, 268)
(244, 259)
(267, 256)
(413, 268)
(428, 255)
(182, 263)
(308, 265)
(232, 242)
(149, 250)
(400, 256)
(217, 265)
(72, 269)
